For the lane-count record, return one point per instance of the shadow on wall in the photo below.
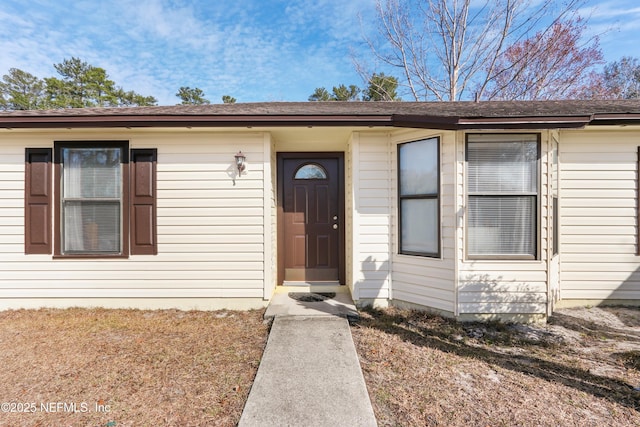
(502, 296)
(374, 280)
(626, 294)
(498, 284)
(499, 295)
(479, 293)
(233, 173)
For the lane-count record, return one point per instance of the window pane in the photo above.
(91, 172)
(502, 167)
(419, 225)
(502, 225)
(418, 163)
(311, 172)
(91, 226)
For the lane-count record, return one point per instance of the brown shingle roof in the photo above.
(439, 115)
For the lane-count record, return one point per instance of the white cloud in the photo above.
(616, 24)
(254, 50)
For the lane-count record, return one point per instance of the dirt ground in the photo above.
(581, 369)
(115, 368)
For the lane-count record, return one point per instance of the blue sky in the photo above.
(253, 50)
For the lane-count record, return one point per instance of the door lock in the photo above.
(335, 226)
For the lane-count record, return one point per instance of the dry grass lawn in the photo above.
(127, 367)
(580, 370)
(82, 367)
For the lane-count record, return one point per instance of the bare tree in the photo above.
(622, 78)
(557, 65)
(446, 49)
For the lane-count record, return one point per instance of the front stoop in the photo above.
(309, 376)
(283, 305)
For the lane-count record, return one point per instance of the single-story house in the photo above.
(471, 209)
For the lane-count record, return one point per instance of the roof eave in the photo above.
(131, 121)
(616, 119)
(479, 123)
(285, 120)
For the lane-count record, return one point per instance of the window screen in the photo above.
(418, 171)
(91, 200)
(502, 188)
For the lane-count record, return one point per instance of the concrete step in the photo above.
(287, 301)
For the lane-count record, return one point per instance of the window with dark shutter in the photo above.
(37, 219)
(90, 199)
(143, 202)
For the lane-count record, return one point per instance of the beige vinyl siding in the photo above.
(598, 171)
(269, 288)
(12, 159)
(553, 275)
(211, 230)
(425, 281)
(350, 219)
(368, 162)
(510, 287)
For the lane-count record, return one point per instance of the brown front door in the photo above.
(311, 211)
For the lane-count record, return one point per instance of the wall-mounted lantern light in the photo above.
(240, 159)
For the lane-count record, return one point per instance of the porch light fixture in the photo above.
(240, 159)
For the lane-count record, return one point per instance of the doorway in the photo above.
(311, 217)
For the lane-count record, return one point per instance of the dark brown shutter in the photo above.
(143, 202)
(37, 201)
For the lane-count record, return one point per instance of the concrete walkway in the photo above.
(309, 374)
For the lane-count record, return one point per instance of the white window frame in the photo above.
(123, 250)
(420, 196)
(535, 235)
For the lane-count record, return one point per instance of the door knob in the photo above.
(335, 226)
(335, 217)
